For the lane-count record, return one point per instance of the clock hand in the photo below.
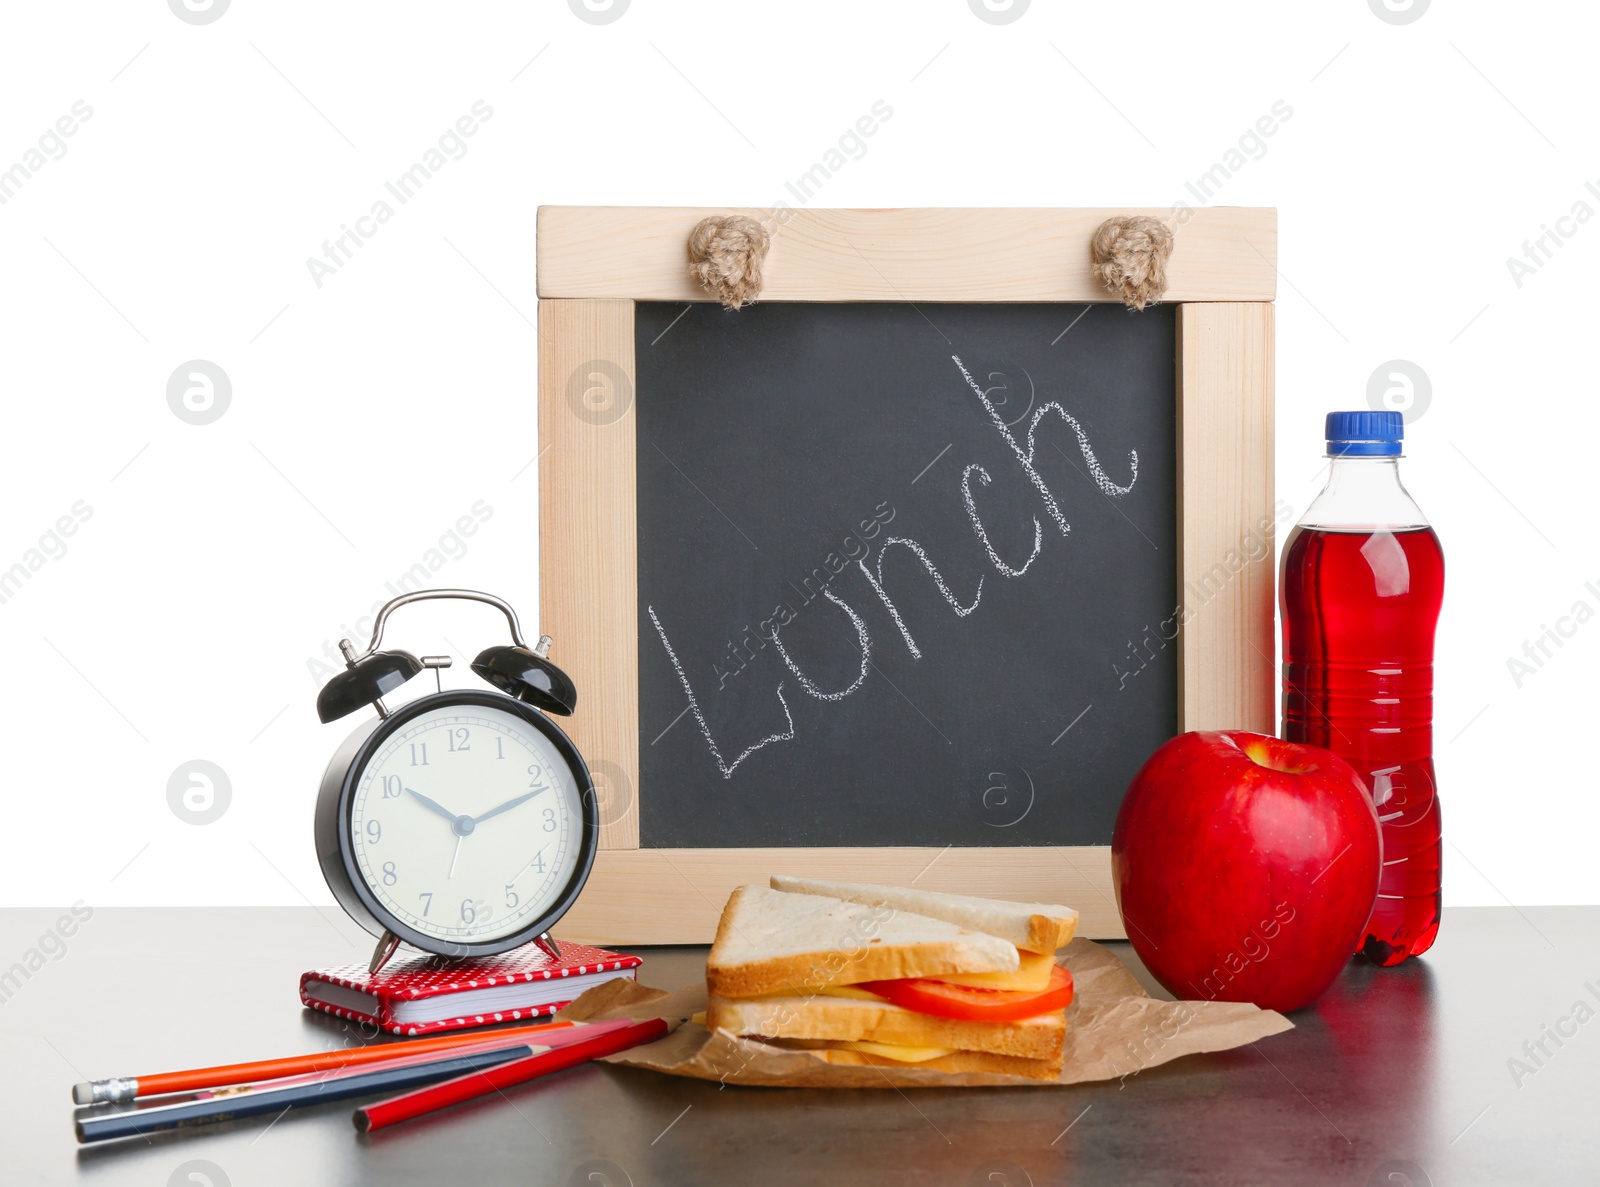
(527, 865)
(505, 807)
(432, 805)
(460, 825)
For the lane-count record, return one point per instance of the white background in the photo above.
(370, 413)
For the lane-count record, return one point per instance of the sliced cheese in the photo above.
(895, 1051)
(854, 991)
(821, 991)
(1032, 977)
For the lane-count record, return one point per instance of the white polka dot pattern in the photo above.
(414, 977)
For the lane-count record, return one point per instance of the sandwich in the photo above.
(892, 977)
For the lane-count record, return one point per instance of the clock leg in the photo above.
(548, 945)
(387, 943)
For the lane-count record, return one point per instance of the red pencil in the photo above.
(520, 1071)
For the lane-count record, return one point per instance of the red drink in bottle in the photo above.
(1362, 581)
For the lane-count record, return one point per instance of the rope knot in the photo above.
(725, 254)
(1130, 258)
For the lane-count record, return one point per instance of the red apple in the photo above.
(1246, 867)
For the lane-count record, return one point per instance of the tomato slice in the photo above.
(943, 1000)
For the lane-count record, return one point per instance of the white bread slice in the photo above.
(768, 940)
(842, 1018)
(956, 1061)
(1035, 927)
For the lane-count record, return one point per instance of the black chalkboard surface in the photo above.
(903, 570)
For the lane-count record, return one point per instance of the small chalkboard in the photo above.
(902, 561)
(898, 573)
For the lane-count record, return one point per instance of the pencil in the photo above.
(120, 1088)
(270, 1096)
(484, 1081)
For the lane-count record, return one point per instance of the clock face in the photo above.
(466, 823)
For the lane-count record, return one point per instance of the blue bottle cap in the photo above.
(1365, 434)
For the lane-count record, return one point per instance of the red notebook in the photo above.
(419, 994)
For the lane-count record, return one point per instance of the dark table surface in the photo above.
(1397, 1076)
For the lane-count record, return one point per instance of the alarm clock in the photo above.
(464, 822)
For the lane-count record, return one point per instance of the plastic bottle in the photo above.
(1362, 581)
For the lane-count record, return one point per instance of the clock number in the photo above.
(391, 787)
(458, 739)
(511, 897)
(468, 912)
(389, 876)
(499, 747)
(535, 772)
(537, 864)
(374, 831)
(427, 897)
(549, 820)
(419, 754)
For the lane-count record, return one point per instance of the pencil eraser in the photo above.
(83, 1094)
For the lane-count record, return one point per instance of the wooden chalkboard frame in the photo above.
(595, 262)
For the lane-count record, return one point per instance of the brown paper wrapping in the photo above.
(1114, 1029)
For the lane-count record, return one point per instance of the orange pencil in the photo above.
(126, 1088)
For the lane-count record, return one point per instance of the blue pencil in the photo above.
(98, 1125)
